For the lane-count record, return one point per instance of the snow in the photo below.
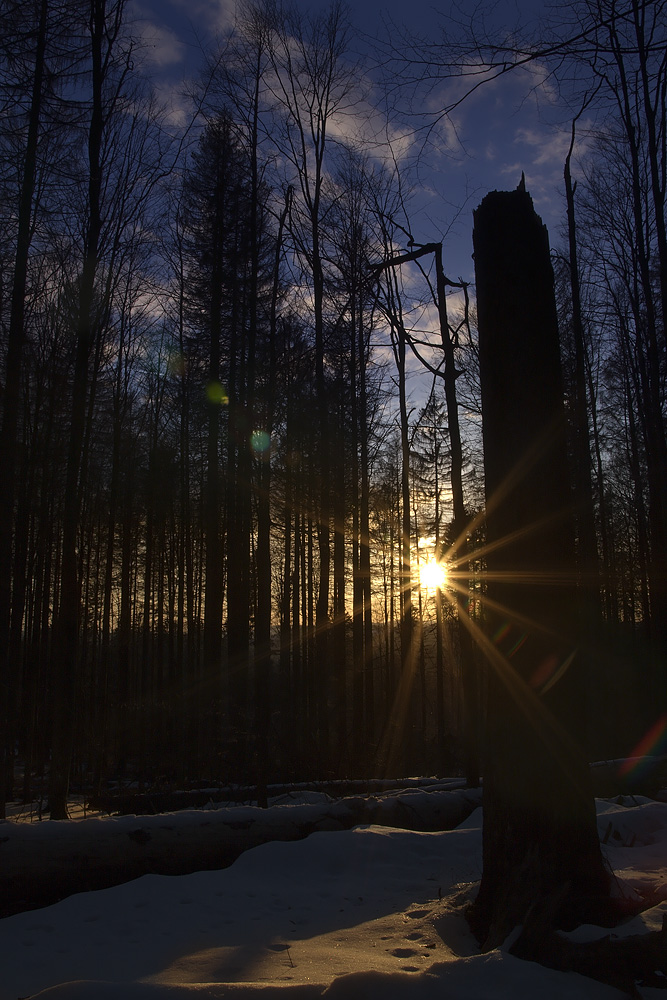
(373, 912)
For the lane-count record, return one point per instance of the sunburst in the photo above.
(433, 575)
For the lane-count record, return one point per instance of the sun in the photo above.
(433, 575)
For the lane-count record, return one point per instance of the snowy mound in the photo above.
(365, 913)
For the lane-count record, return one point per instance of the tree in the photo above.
(66, 651)
(630, 63)
(117, 152)
(396, 738)
(218, 207)
(353, 236)
(311, 85)
(431, 432)
(613, 52)
(445, 369)
(540, 833)
(30, 36)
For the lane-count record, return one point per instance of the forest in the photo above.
(225, 495)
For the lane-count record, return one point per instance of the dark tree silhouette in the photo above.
(540, 832)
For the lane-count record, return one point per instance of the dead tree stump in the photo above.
(540, 830)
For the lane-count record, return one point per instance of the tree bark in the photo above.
(540, 831)
(403, 710)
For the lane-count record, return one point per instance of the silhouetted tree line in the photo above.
(215, 487)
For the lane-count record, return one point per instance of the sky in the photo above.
(505, 128)
(494, 136)
(373, 913)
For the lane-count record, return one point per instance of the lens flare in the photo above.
(260, 441)
(653, 742)
(216, 394)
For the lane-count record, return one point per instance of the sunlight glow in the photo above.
(433, 575)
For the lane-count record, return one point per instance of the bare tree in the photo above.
(311, 87)
(120, 160)
(31, 35)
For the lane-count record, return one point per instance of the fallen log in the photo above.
(41, 863)
(126, 801)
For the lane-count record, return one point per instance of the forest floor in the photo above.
(370, 912)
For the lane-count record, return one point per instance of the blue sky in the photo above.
(489, 140)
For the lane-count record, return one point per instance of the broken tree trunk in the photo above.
(539, 818)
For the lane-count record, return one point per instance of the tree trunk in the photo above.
(212, 637)
(470, 685)
(12, 380)
(237, 547)
(588, 568)
(402, 720)
(338, 647)
(365, 546)
(540, 832)
(66, 639)
(357, 582)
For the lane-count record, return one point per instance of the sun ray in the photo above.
(564, 747)
(458, 582)
(456, 558)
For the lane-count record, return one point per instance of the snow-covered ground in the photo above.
(365, 913)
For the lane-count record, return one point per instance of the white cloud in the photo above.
(540, 151)
(160, 46)
(547, 148)
(357, 117)
(366, 128)
(174, 102)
